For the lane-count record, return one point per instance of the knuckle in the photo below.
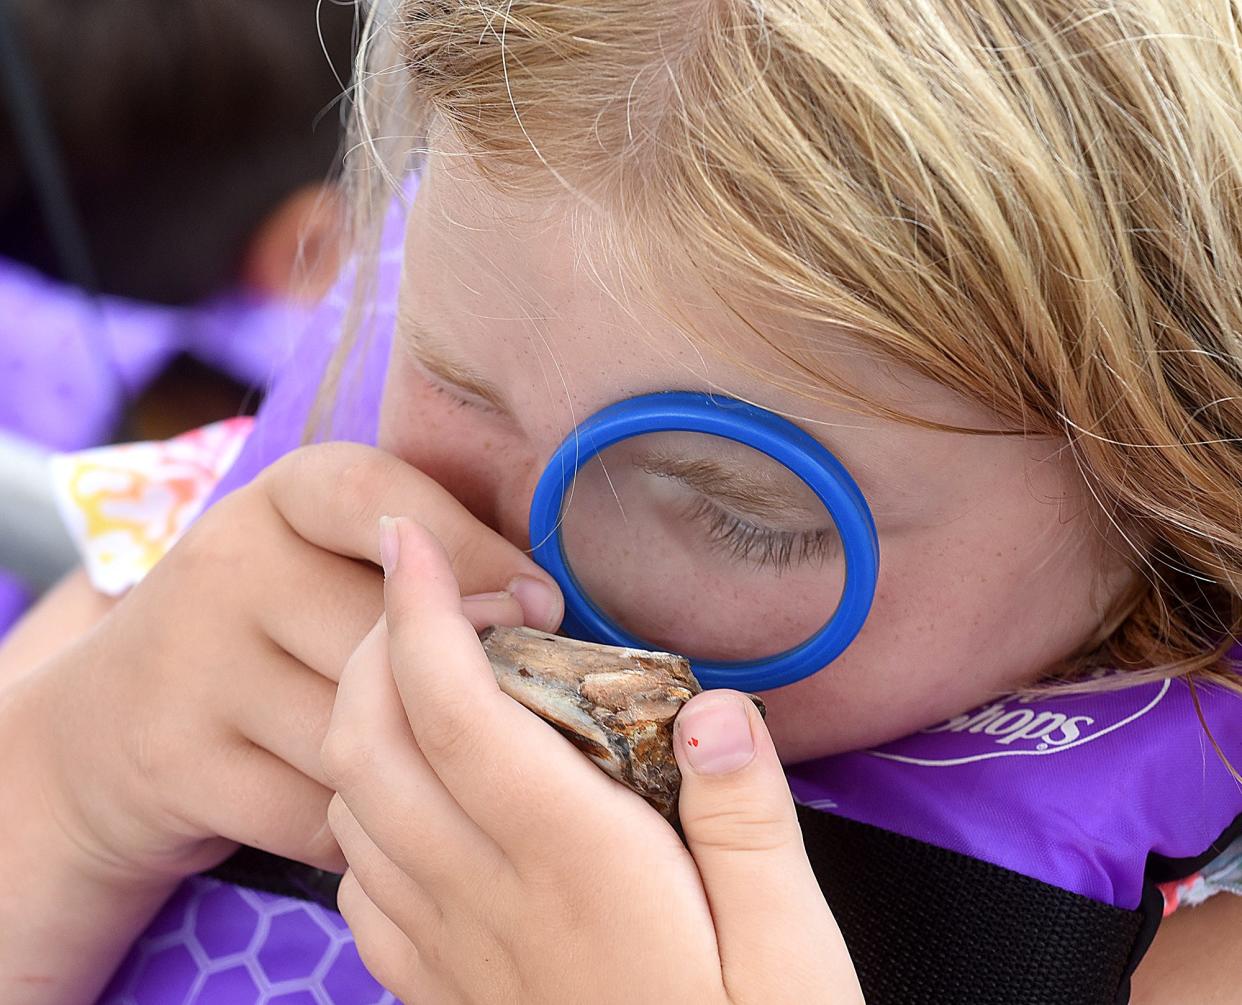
(353, 471)
(357, 479)
(338, 814)
(448, 736)
(294, 468)
(399, 969)
(356, 908)
(310, 459)
(349, 895)
(345, 757)
(465, 551)
(361, 483)
(752, 827)
(371, 950)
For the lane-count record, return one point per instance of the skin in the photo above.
(991, 565)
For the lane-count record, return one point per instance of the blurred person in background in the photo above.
(165, 191)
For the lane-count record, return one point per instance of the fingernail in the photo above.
(540, 602)
(390, 545)
(485, 609)
(715, 736)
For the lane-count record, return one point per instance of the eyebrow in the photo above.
(432, 353)
(752, 494)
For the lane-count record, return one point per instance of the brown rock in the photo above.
(615, 705)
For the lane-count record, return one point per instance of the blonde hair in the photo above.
(1035, 203)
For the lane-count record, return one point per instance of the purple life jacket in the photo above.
(1007, 855)
(220, 943)
(1028, 835)
(1077, 791)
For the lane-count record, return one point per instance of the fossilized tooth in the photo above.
(615, 705)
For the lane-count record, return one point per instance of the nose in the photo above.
(512, 508)
(495, 483)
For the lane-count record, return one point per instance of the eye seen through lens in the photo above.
(703, 546)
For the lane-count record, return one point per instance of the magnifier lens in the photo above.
(702, 546)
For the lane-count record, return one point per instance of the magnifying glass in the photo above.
(708, 527)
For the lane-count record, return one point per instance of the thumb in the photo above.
(741, 827)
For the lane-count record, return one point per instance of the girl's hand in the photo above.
(489, 861)
(192, 717)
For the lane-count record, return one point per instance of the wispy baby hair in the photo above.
(1035, 203)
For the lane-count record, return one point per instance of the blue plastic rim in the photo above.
(759, 429)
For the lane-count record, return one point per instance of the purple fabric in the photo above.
(14, 599)
(69, 362)
(218, 944)
(1074, 790)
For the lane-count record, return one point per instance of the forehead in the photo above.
(513, 290)
(539, 270)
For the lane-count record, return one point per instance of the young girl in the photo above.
(986, 254)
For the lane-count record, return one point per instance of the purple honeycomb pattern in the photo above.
(218, 944)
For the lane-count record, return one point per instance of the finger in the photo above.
(367, 484)
(267, 804)
(391, 890)
(317, 606)
(372, 759)
(740, 825)
(486, 609)
(321, 607)
(385, 951)
(480, 742)
(287, 713)
(314, 604)
(392, 958)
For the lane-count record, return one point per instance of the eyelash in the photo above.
(777, 549)
(453, 396)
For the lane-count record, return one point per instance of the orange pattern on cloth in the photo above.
(125, 506)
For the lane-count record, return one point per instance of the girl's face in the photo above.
(991, 565)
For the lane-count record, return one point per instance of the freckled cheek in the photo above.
(980, 613)
(951, 596)
(482, 466)
(924, 654)
(957, 618)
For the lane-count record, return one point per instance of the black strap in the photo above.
(926, 926)
(261, 870)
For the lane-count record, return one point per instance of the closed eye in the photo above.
(457, 394)
(431, 355)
